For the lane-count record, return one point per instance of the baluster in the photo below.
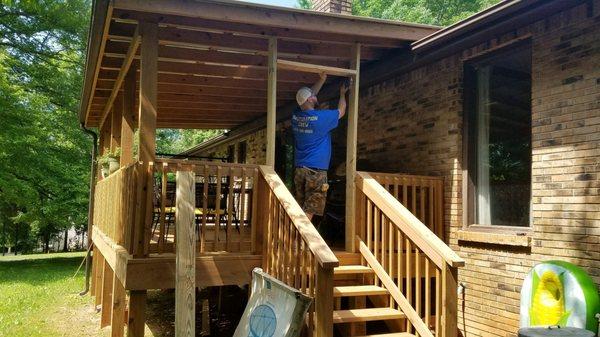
(431, 221)
(297, 252)
(376, 236)
(390, 229)
(408, 279)
(414, 197)
(204, 209)
(418, 281)
(242, 216)
(218, 211)
(253, 215)
(369, 223)
(427, 293)
(228, 237)
(438, 302)
(311, 291)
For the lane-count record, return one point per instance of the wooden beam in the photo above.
(271, 16)
(314, 68)
(243, 44)
(287, 33)
(117, 50)
(199, 99)
(351, 142)
(96, 45)
(185, 283)
(133, 46)
(115, 125)
(128, 122)
(148, 91)
(324, 302)
(216, 70)
(272, 102)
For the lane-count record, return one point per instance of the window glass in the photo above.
(500, 137)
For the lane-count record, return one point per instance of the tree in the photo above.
(435, 12)
(305, 4)
(44, 157)
(174, 141)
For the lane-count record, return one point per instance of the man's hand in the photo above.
(343, 89)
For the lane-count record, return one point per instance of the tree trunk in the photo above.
(16, 238)
(66, 241)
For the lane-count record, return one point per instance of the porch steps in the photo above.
(365, 315)
(352, 269)
(364, 290)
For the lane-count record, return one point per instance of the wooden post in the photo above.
(272, 101)
(117, 322)
(107, 283)
(147, 150)
(128, 120)
(185, 279)
(449, 301)
(103, 142)
(351, 152)
(115, 124)
(324, 302)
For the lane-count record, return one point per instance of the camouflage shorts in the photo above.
(311, 189)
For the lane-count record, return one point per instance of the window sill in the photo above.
(504, 237)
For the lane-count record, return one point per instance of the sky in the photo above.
(286, 3)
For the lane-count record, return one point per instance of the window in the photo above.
(498, 137)
(241, 155)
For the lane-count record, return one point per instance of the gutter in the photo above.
(88, 260)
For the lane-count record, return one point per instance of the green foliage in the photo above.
(44, 156)
(174, 141)
(304, 4)
(435, 12)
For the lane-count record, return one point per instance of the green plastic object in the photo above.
(559, 293)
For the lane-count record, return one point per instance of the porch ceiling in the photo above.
(212, 55)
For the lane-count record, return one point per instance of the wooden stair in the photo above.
(362, 287)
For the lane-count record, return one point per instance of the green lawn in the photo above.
(39, 297)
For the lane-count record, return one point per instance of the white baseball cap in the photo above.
(303, 94)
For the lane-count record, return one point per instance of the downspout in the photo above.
(88, 259)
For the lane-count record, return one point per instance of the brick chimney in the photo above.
(333, 6)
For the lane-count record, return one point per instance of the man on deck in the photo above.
(312, 136)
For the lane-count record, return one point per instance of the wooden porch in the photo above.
(183, 224)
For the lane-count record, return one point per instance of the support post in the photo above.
(107, 291)
(324, 302)
(128, 120)
(117, 322)
(147, 152)
(115, 123)
(351, 152)
(449, 301)
(271, 101)
(185, 258)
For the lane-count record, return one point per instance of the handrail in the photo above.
(323, 254)
(414, 229)
(202, 162)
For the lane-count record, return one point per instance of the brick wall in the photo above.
(256, 148)
(413, 124)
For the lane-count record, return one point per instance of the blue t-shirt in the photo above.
(312, 136)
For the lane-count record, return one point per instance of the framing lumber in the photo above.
(148, 91)
(271, 16)
(272, 102)
(118, 49)
(133, 46)
(315, 68)
(207, 40)
(116, 116)
(288, 33)
(107, 291)
(117, 322)
(128, 118)
(351, 141)
(185, 283)
(101, 21)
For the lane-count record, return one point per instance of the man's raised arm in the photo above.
(317, 86)
(342, 101)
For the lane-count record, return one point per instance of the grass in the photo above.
(39, 297)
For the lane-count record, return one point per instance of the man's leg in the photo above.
(299, 184)
(315, 191)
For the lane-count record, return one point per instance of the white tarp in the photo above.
(274, 309)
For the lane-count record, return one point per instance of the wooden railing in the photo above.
(423, 196)
(114, 205)
(410, 261)
(294, 252)
(225, 205)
